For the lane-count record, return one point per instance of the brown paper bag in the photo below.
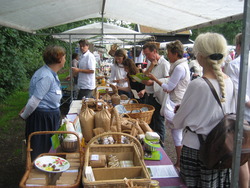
(102, 119)
(87, 121)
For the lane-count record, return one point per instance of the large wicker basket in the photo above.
(30, 165)
(145, 116)
(107, 177)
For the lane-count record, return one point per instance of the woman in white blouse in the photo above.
(175, 87)
(118, 74)
(200, 112)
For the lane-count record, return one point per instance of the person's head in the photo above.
(238, 43)
(137, 51)
(54, 55)
(84, 45)
(129, 66)
(120, 56)
(210, 50)
(75, 56)
(150, 50)
(138, 65)
(175, 51)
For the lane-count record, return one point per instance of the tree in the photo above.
(229, 30)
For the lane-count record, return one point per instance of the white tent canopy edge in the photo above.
(33, 15)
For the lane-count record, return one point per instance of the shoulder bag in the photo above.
(216, 151)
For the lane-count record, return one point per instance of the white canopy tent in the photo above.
(107, 32)
(169, 15)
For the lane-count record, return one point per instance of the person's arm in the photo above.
(178, 74)
(151, 66)
(152, 77)
(247, 101)
(30, 107)
(141, 93)
(77, 70)
(147, 82)
(127, 89)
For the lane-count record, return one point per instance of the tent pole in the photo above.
(241, 94)
(71, 74)
(134, 48)
(103, 7)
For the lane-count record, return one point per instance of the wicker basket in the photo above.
(145, 116)
(114, 177)
(30, 165)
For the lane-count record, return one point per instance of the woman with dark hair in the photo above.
(175, 87)
(118, 74)
(42, 111)
(131, 69)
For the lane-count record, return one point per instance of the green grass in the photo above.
(62, 74)
(11, 107)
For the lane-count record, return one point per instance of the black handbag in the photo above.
(216, 151)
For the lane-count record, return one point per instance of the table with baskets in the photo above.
(164, 182)
(137, 175)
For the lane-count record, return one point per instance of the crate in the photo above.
(34, 178)
(107, 177)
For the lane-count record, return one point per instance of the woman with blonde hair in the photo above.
(199, 111)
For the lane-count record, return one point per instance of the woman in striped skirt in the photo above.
(199, 112)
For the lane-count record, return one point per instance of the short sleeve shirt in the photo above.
(160, 71)
(45, 85)
(85, 80)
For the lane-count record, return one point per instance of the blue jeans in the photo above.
(157, 122)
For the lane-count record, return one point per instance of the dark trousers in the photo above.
(157, 122)
(42, 120)
(84, 93)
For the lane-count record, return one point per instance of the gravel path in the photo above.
(169, 146)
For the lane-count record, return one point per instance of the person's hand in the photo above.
(154, 62)
(121, 81)
(176, 108)
(248, 104)
(151, 76)
(148, 82)
(141, 93)
(20, 113)
(67, 78)
(75, 70)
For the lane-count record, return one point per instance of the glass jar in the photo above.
(154, 184)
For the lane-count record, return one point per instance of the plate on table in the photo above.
(53, 164)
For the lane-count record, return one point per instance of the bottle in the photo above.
(103, 82)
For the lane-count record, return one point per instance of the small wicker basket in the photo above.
(145, 116)
(30, 165)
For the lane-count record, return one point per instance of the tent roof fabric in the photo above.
(108, 32)
(168, 15)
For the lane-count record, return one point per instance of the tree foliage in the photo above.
(229, 30)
